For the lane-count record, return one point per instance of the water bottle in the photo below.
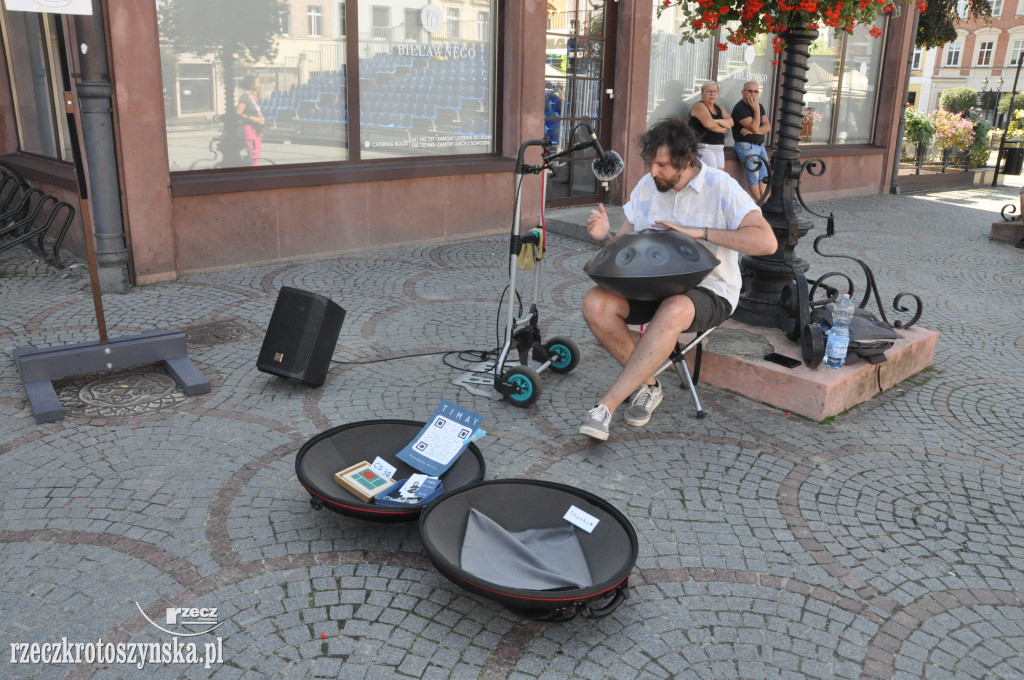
(839, 334)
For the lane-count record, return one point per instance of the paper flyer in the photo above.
(441, 441)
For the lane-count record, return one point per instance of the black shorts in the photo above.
(709, 310)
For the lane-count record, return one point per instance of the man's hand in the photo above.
(693, 232)
(597, 224)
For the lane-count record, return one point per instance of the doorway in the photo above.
(580, 53)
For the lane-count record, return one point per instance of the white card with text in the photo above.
(584, 520)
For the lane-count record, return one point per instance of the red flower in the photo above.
(722, 47)
(875, 31)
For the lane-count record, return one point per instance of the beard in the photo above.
(664, 185)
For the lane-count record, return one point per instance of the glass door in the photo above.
(580, 53)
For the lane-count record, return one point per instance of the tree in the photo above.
(234, 30)
(937, 23)
(958, 99)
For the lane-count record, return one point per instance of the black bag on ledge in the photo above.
(870, 337)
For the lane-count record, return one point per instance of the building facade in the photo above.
(984, 57)
(398, 121)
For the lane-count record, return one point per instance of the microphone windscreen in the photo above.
(607, 167)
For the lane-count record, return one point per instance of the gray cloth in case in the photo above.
(534, 559)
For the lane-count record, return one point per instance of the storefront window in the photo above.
(34, 72)
(842, 88)
(861, 70)
(678, 70)
(429, 91)
(425, 79)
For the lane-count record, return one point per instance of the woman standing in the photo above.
(710, 122)
(251, 114)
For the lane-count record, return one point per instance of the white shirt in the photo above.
(712, 199)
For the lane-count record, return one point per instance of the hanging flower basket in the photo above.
(744, 20)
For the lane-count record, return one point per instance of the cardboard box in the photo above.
(362, 481)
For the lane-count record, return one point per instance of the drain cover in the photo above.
(120, 395)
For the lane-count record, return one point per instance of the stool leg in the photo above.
(684, 373)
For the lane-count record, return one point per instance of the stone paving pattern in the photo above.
(885, 543)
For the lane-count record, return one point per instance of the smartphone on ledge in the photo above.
(782, 360)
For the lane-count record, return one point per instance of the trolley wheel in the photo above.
(527, 384)
(564, 354)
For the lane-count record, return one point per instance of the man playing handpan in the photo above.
(704, 203)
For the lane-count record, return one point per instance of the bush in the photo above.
(918, 128)
(979, 149)
(952, 129)
(957, 99)
(1004, 102)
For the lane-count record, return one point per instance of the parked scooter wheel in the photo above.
(527, 383)
(565, 354)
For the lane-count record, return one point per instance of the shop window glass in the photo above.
(822, 87)
(740, 64)
(422, 92)
(678, 70)
(34, 72)
(861, 70)
(430, 97)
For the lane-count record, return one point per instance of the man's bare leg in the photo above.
(639, 359)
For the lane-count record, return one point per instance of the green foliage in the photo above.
(937, 24)
(918, 128)
(957, 99)
(246, 29)
(979, 148)
(1018, 102)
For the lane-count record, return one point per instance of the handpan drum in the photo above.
(650, 265)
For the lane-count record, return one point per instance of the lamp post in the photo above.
(765, 278)
(1009, 118)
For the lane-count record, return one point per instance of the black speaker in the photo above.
(302, 335)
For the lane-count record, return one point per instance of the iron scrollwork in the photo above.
(816, 167)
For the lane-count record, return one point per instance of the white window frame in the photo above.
(285, 16)
(917, 59)
(953, 49)
(1015, 51)
(453, 17)
(315, 20)
(483, 32)
(996, 6)
(986, 49)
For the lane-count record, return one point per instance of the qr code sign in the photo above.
(463, 433)
(421, 446)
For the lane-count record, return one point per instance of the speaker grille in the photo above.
(300, 340)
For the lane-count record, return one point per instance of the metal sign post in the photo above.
(39, 367)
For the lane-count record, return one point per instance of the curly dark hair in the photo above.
(675, 134)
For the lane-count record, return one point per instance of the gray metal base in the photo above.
(39, 367)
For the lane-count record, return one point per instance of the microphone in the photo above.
(606, 166)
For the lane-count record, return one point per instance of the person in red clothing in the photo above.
(251, 114)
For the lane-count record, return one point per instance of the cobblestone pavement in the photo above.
(887, 543)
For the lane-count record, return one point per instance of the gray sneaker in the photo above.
(644, 402)
(597, 423)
